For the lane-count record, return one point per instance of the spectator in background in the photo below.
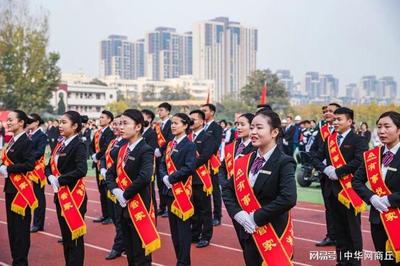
(2, 134)
(288, 136)
(297, 132)
(313, 124)
(364, 132)
(53, 133)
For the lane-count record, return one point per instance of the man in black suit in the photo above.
(163, 110)
(288, 136)
(86, 133)
(347, 225)
(202, 227)
(53, 133)
(215, 130)
(106, 135)
(319, 141)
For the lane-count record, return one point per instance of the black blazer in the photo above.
(139, 168)
(113, 153)
(352, 149)
(71, 164)
(53, 133)
(248, 149)
(216, 131)
(85, 136)
(289, 133)
(392, 181)
(39, 141)
(167, 133)
(205, 146)
(105, 139)
(276, 192)
(184, 158)
(150, 137)
(21, 153)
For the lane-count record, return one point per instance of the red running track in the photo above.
(309, 228)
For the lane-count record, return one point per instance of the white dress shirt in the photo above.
(253, 177)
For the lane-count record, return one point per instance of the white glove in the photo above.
(378, 203)
(244, 219)
(120, 196)
(54, 183)
(157, 153)
(103, 172)
(385, 201)
(330, 172)
(240, 217)
(3, 171)
(94, 157)
(166, 182)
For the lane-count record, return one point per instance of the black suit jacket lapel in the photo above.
(65, 153)
(133, 155)
(269, 167)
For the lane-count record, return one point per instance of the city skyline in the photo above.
(350, 39)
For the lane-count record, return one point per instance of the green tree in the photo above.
(277, 95)
(117, 107)
(148, 94)
(30, 74)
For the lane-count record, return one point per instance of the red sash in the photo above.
(274, 250)
(70, 201)
(140, 217)
(230, 159)
(181, 206)
(26, 195)
(38, 175)
(160, 137)
(324, 131)
(203, 173)
(390, 219)
(109, 162)
(214, 163)
(347, 196)
(97, 141)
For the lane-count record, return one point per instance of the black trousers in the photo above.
(116, 215)
(379, 238)
(101, 185)
(202, 227)
(74, 250)
(251, 254)
(328, 212)
(134, 250)
(347, 230)
(181, 234)
(217, 198)
(40, 211)
(18, 233)
(161, 187)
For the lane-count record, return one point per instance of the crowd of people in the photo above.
(184, 166)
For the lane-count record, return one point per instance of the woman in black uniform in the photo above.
(65, 172)
(179, 162)
(17, 160)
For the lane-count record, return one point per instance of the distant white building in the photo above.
(79, 95)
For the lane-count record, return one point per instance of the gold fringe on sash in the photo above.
(346, 202)
(156, 244)
(78, 232)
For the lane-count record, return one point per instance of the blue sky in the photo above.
(347, 38)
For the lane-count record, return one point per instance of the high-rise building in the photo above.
(224, 51)
(138, 59)
(328, 85)
(116, 57)
(387, 88)
(352, 90)
(312, 84)
(168, 54)
(286, 79)
(368, 85)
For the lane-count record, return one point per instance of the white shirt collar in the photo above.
(68, 140)
(16, 137)
(393, 150)
(247, 142)
(34, 132)
(198, 131)
(344, 134)
(165, 120)
(145, 129)
(267, 155)
(104, 128)
(133, 145)
(209, 122)
(119, 139)
(180, 139)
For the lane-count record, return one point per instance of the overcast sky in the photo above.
(347, 38)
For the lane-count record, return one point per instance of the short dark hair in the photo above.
(185, 120)
(85, 119)
(36, 118)
(324, 107)
(75, 118)
(345, 111)
(199, 112)
(149, 113)
(136, 116)
(264, 107)
(335, 104)
(21, 116)
(230, 123)
(166, 106)
(109, 114)
(249, 117)
(211, 106)
(223, 121)
(395, 116)
(273, 120)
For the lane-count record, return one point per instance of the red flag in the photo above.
(263, 99)
(208, 97)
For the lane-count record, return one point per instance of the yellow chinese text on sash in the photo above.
(70, 201)
(230, 159)
(160, 137)
(274, 250)
(347, 196)
(391, 218)
(25, 196)
(38, 175)
(109, 162)
(140, 217)
(324, 131)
